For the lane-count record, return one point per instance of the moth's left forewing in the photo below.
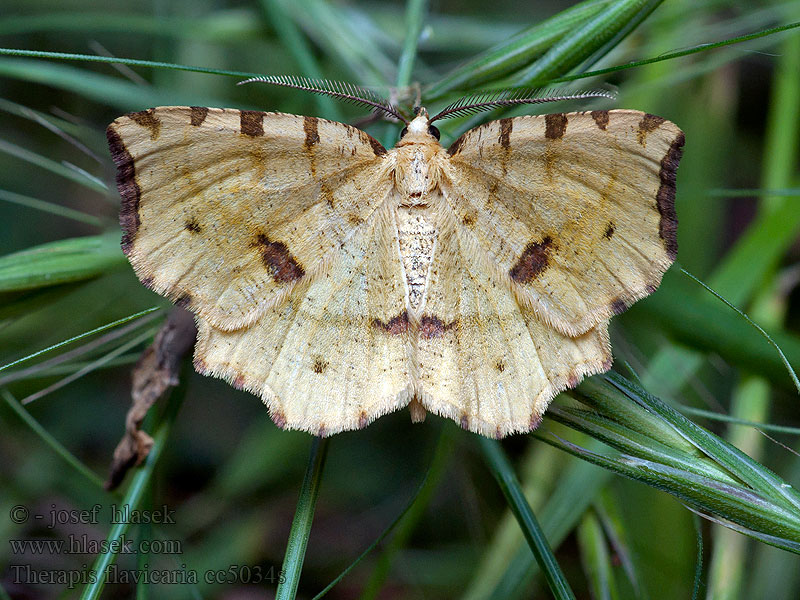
(226, 210)
(575, 211)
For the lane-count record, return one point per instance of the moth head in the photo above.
(420, 126)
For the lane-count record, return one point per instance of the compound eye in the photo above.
(434, 131)
(404, 132)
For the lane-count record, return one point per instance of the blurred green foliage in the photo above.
(233, 478)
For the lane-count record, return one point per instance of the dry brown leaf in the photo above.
(154, 374)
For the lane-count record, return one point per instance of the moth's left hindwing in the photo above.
(226, 211)
(334, 356)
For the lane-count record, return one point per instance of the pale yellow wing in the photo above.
(576, 210)
(483, 359)
(335, 355)
(225, 211)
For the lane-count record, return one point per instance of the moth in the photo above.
(340, 281)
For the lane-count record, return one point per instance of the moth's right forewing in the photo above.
(225, 211)
(575, 210)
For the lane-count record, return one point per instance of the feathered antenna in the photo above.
(338, 89)
(481, 101)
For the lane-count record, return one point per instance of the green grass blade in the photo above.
(140, 481)
(51, 165)
(419, 502)
(785, 361)
(735, 503)
(343, 40)
(51, 441)
(437, 468)
(231, 26)
(51, 208)
(698, 572)
(507, 480)
(131, 62)
(596, 558)
(80, 337)
(706, 326)
(55, 365)
(515, 53)
(707, 414)
(630, 23)
(678, 54)
(618, 436)
(107, 89)
(60, 262)
(747, 193)
(415, 15)
(298, 46)
(762, 479)
(594, 38)
(374, 544)
(92, 366)
(301, 525)
(577, 487)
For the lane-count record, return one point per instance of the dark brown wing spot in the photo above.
(354, 219)
(573, 381)
(199, 365)
(326, 194)
(600, 118)
(184, 301)
(278, 260)
(469, 219)
(238, 383)
(310, 125)
(147, 282)
(147, 118)
(322, 431)
(464, 421)
(198, 115)
(251, 122)
(362, 419)
(455, 147)
(665, 198)
(433, 327)
(279, 419)
(533, 261)
(192, 226)
(535, 421)
(320, 365)
(619, 306)
(128, 189)
(374, 144)
(500, 366)
(646, 125)
(396, 326)
(610, 229)
(506, 126)
(555, 125)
